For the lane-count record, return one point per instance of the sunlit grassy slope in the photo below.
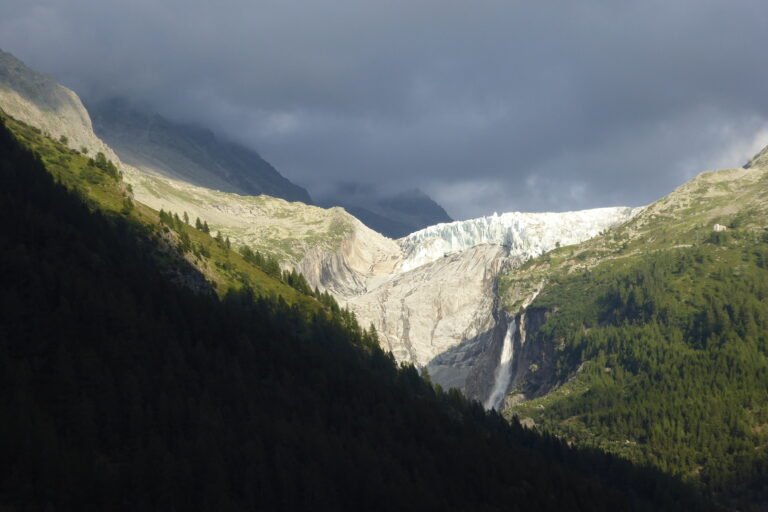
(219, 266)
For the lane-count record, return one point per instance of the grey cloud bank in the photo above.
(488, 106)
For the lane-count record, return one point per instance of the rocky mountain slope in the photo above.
(187, 153)
(393, 215)
(286, 230)
(40, 101)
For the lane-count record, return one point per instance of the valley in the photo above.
(641, 332)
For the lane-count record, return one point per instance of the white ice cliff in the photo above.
(523, 234)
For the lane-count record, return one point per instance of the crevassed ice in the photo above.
(524, 234)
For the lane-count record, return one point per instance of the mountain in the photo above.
(41, 102)
(641, 332)
(188, 153)
(125, 386)
(393, 215)
(141, 140)
(650, 340)
(405, 288)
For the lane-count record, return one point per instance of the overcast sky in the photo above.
(486, 105)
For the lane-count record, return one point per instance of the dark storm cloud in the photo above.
(486, 105)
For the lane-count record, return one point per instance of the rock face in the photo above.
(361, 261)
(427, 311)
(509, 366)
(39, 101)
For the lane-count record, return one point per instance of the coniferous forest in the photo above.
(121, 389)
(676, 373)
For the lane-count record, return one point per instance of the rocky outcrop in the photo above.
(361, 261)
(513, 344)
(435, 308)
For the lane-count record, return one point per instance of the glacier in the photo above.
(525, 235)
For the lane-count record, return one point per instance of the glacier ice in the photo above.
(523, 234)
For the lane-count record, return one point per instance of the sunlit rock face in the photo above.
(39, 101)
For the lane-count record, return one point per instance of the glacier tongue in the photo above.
(523, 234)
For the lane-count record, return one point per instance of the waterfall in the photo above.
(503, 374)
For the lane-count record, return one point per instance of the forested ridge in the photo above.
(664, 358)
(122, 389)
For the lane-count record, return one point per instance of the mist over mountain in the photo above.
(394, 214)
(190, 153)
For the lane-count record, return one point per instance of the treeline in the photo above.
(120, 390)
